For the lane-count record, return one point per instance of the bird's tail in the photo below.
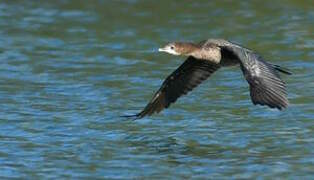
(281, 69)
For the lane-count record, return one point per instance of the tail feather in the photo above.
(282, 70)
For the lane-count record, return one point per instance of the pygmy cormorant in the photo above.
(203, 59)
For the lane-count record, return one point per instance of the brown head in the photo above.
(179, 48)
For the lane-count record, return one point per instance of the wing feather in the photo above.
(184, 79)
(266, 86)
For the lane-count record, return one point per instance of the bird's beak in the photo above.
(162, 50)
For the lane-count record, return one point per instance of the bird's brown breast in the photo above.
(210, 54)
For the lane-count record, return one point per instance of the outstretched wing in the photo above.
(189, 75)
(266, 86)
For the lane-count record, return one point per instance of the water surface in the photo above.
(69, 69)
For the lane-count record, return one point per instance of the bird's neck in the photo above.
(212, 53)
(189, 49)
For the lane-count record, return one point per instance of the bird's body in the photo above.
(204, 58)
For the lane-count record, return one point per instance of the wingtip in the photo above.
(132, 117)
(274, 107)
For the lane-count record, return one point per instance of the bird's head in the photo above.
(178, 48)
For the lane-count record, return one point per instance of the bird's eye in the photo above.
(171, 47)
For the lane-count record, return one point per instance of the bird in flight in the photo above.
(206, 57)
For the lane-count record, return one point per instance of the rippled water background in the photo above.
(69, 69)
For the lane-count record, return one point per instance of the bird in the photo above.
(203, 59)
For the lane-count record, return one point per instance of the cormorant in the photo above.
(203, 59)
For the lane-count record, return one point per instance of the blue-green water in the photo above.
(69, 69)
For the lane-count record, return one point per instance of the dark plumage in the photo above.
(204, 58)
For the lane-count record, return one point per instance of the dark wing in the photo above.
(189, 75)
(266, 86)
